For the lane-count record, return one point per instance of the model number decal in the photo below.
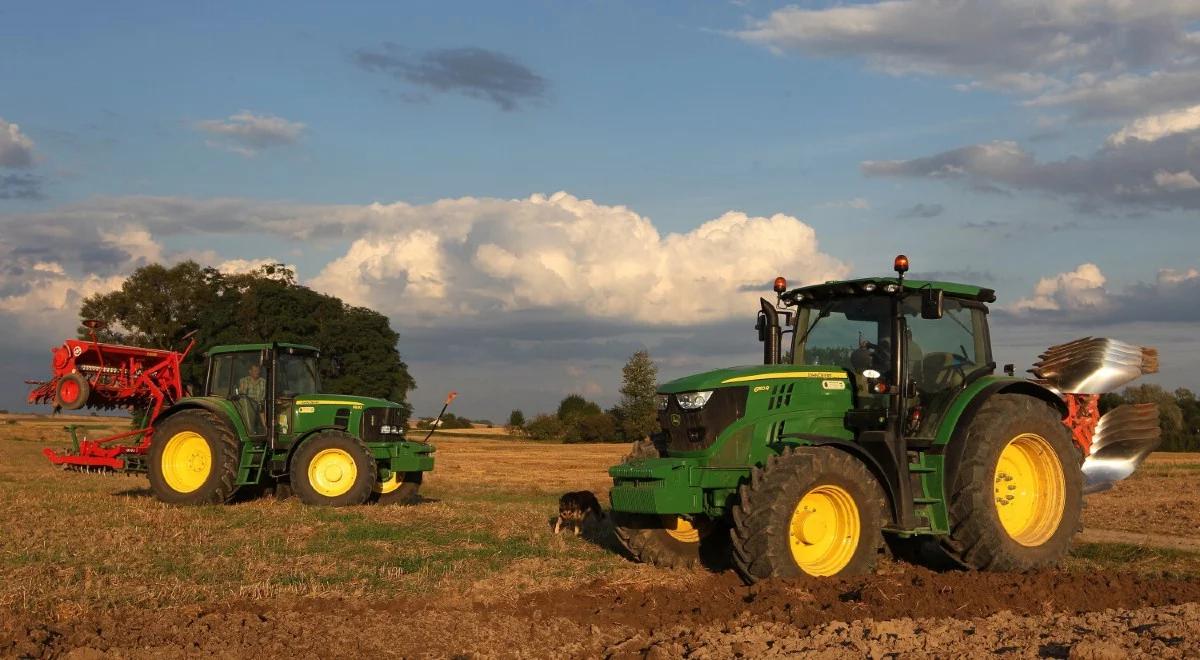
(833, 384)
(762, 388)
(306, 409)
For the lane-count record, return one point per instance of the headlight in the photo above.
(693, 400)
(662, 400)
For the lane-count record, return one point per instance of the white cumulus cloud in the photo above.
(16, 149)
(1154, 127)
(1082, 288)
(471, 256)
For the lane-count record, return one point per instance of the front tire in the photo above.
(401, 489)
(672, 541)
(1016, 495)
(194, 459)
(332, 468)
(810, 511)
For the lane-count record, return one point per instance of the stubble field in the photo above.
(92, 566)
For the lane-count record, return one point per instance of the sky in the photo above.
(532, 191)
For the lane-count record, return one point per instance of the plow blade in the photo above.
(1123, 439)
(1093, 365)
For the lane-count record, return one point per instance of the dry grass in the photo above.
(72, 543)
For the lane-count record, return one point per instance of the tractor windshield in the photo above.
(296, 375)
(851, 333)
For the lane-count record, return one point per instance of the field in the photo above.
(92, 565)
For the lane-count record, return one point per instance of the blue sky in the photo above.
(1009, 143)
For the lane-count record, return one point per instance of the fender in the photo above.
(967, 404)
(855, 450)
(221, 407)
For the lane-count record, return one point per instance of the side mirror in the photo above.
(931, 303)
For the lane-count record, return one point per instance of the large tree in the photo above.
(157, 306)
(638, 412)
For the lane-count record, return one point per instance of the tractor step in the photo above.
(254, 457)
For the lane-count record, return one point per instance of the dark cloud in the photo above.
(1148, 174)
(21, 186)
(248, 133)
(922, 210)
(474, 72)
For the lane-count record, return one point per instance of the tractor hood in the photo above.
(709, 380)
(355, 402)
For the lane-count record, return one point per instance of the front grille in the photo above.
(693, 430)
(375, 419)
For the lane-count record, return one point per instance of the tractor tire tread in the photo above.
(977, 539)
(760, 546)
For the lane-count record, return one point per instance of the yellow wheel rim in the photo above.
(332, 472)
(390, 484)
(681, 529)
(186, 461)
(825, 530)
(1030, 490)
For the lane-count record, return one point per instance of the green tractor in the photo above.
(262, 422)
(846, 439)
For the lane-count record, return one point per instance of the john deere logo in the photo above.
(676, 420)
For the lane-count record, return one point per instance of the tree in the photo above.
(157, 305)
(639, 411)
(516, 422)
(574, 406)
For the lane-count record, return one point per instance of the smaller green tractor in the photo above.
(260, 422)
(878, 416)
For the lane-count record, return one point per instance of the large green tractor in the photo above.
(846, 438)
(262, 421)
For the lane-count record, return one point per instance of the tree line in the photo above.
(634, 417)
(1178, 413)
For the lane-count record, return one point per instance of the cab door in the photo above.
(243, 379)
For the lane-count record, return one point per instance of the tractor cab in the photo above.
(853, 326)
(263, 381)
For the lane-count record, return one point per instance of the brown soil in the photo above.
(903, 609)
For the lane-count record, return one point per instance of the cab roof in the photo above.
(840, 288)
(243, 348)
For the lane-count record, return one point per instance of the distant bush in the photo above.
(545, 428)
(10, 421)
(593, 428)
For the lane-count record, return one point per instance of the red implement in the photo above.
(108, 376)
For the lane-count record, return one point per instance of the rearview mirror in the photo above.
(931, 303)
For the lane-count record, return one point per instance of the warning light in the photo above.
(780, 285)
(880, 387)
(901, 264)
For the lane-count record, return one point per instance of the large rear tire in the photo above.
(333, 468)
(672, 541)
(194, 459)
(1016, 493)
(810, 511)
(401, 489)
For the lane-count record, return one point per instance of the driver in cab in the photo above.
(253, 390)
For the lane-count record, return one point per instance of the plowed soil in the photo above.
(903, 609)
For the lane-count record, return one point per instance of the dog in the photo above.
(575, 508)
